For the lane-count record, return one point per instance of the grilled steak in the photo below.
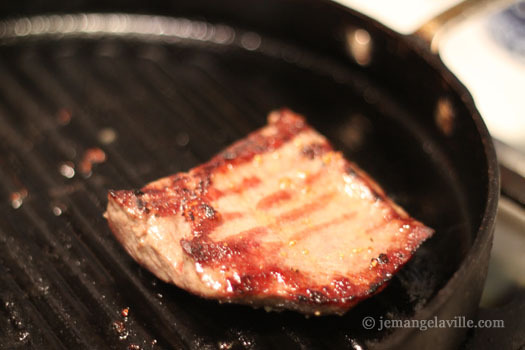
(278, 219)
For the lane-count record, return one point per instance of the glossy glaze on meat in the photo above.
(278, 219)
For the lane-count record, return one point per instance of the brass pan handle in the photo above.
(430, 31)
(512, 162)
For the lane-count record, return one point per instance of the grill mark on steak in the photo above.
(280, 196)
(232, 215)
(312, 178)
(256, 265)
(302, 234)
(205, 251)
(306, 209)
(246, 183)
(273, 199)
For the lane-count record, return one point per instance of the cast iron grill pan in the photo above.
(172, 101)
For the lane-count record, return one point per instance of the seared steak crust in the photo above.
(278, 219)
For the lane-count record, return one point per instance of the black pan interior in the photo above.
(172, 103)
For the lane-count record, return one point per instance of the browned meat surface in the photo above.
(278, 219)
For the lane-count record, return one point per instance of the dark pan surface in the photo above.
(172, 103)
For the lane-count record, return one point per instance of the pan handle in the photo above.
(511, 161)
(431, 31)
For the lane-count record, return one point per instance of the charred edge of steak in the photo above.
(287, 125)
(352, 170)
(341, 294)
(316, 150)
(203, 250)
